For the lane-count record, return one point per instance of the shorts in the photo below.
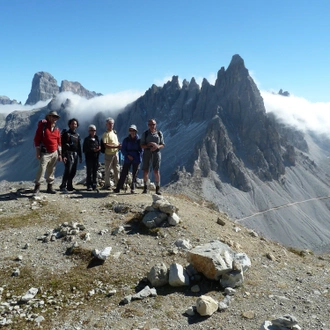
(151, 159)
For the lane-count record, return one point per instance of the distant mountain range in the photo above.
(221, 145)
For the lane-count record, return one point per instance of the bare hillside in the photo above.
(76, 292)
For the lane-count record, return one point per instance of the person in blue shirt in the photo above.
(132, 153)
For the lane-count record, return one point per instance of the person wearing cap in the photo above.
(91, 149)
(111, 146)
(71, 151)
(47, 141)
(152, 141)
(132, 152)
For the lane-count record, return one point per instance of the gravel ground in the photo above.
(75, 292)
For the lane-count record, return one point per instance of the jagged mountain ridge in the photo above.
(44, 87)
(221, 145)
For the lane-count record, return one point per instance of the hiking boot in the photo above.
(116, 190)
(89, 188)
(50, 189)
(36, 188)
(145, 190)
(132, 191)
(158, 190)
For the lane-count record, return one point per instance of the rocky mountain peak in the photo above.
(76, 88)
(44, 87)
(6, 100)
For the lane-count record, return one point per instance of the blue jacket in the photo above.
(132, 148)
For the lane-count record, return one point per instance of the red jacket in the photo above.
(45, 136)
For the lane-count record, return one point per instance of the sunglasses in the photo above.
(132, 130)
(151, 124)
(92, 130)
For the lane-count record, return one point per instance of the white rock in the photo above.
(206, 305)
(190, 311)
(29, 294)
(104, 254)
(178, 276)
(173, 219)
(183, 244)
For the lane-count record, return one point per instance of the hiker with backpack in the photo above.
(152, 141)
(47, 141)
(71, 146)
(132, 152)
(91, 149)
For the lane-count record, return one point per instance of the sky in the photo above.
(121, 47)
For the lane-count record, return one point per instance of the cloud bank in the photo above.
(298, 112)
(295, 111)
(110, 103)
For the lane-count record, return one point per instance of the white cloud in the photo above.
(83, 107)
(299, 112)
(8, 108)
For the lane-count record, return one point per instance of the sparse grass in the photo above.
(298, 252)
(20, 220)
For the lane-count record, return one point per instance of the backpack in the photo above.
(147, 132)
(43, 122)
(102, 146)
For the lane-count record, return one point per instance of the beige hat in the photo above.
(53, 113)
(133, 127)
(93, 127)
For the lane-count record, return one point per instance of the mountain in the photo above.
(221, 146)
(44, 87)
(6, 100)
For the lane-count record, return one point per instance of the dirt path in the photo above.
(281, 207)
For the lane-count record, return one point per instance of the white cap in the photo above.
(133, 127)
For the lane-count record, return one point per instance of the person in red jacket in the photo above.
(47, 141)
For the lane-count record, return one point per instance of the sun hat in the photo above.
(53, 113)
(93, 127)
(133, 127)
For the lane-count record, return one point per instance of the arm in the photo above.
(59, 145)
(79, 150)
(143, 143)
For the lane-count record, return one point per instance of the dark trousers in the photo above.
(91, 170)
(70, 170)
(124, 173)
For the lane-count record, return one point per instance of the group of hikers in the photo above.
(53, 146)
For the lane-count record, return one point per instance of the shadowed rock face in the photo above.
(237, 134)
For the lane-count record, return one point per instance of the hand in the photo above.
(153, 146)
(130, 157)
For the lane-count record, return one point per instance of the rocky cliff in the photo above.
(44, 87)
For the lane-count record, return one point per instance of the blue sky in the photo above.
(111, 46)
(120, 48)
